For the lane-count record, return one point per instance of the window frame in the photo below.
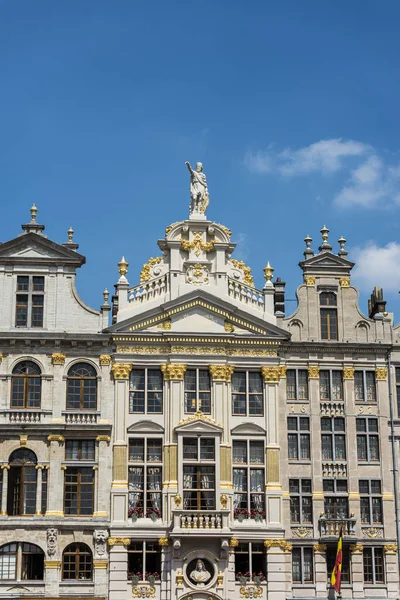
(367, 435)
(250, 575)
(301, 495)
(82, 388)
(397, 383)
(17, 490)
(247, 395)
(373, 551)
(365, 399)
(298, 433)
(81, 550)
(328, 311)
(250, 466)
(31, 294)
(143, 502)
(199, 464)
(335, 495)
(333, 435)
(296, 385)
(144, 552)
(146, 391)
(20, 553)
(198, 404)
(371, 496)
(301, 550)
(71, 487)
(332, 385)
(28, 384)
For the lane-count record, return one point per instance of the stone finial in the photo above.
(70, 234)
(106, 295)
(325, 246)
(308, 252)
(268, 272)
(33, 226)
(33, 213)
(123, 267)
(342, 252)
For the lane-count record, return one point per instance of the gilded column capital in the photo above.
(100, 564)
(271, 374)
(164, 541)
(103, 438)
(381, 373)
(309, 280)
(221, 372)
(278, 543)
(356, 548)
(173, 371)
(121, 371)
(58, 358)
(52, 564)
(390, 548)
(55, 437)
(344, 282)
(1, 357)
(5, 467)
(319, 548)
(23, 440)
(118, 541)
(282, 370)
(313, 372)
(348, 373)
(234, 542)
(104, 360)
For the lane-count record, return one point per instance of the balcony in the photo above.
(332, 527)
(29, 416)
(80, 417)
(334, 469)
(207, 522)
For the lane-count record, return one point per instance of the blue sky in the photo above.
(293, 107)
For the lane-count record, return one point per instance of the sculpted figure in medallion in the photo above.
(200, 575)
(198, 189)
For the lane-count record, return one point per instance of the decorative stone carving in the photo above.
(197, 274)
(251, 591)
(179, 577)
(313, 372)
(198, 416)
(173, 372)
(58, 358)
(271, 374)
(163, 541)
(220, 579)
(197, 244)
(121, 371)
(390, 548)
(282, 372)
(23, 440)
(309, 280)
(51, 537)
(302, 532)
(233, 542)
(229, 327)
(103, 438)
(344, 282)
(149, 269)
(241, 272)
(54, 437)
(278, 543)
(100, 537)
(165, 325)
(381, 373)
(143, 591)
(221, 372)
(178, 500)
(319, 548)
(224, 501)
(356, 548)
(200, 575)
(348, 373)
(198, 189)
(118, 541)
(372, 532)
(105, 360)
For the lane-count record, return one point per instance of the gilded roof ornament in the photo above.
(268, 272)
(247, 276)
(198, 191)
(197, 244)
(145, 273)
(123, 267)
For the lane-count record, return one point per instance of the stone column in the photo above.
(278, 568)
(100, 567)
(39, 470)
(272, 377)
(101, 504)
(119, 490)
(55, 506)
(230, 587)
(105, 407)
(350, 410)
(165, 569)
(357, 570)
(4, 491)
(52, 577)
(58, 361)
(316, 457)
(221, 376)
(321, 575)
(392, 572)
(118, 568)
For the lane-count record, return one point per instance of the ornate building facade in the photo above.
(203, 446)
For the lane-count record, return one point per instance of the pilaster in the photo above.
(52, 577)
(58, 361)
(102, 479)
(55, 506)
(321, 575)
(119, 489)
(118, 587)
(4, 490)
(278, 568)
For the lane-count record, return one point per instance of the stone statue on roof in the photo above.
(198, 189)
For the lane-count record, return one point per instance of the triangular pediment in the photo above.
(199, 313)
(326, 259)
(198, 423)
(35, 248)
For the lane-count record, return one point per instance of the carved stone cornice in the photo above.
(271, 374)
(278, 543)
(348, 373)
(52, 564)
(313, 372)
(118, 541)
(104, 360)
(381, 373)
(58, 358)
(100, 564)
(174, 372)
(121, 371)
(221, 372)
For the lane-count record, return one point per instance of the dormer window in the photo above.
(328, 311)
(29, 309)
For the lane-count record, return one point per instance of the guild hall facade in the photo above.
(189, 440)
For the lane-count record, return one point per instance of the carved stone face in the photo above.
(199, 167)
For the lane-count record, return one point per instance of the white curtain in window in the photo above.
(239, 484)
(135, 485)
(154, 483)
(257, 485)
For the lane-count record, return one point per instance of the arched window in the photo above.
(82, 387)
(77, 562)
(21, 498)
(20, 561)
(26, 385)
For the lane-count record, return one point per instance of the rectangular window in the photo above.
(336, 500)
(331, 552)
(145, 478)
(329, 329)
(198, 477)
(29, 308)
(374, 571)
(146, 391)
(78, 491)
(398, 390)
(250, 562)
(197, 391)
(247, 394)
(364, 386)
(297, 384)
(249, 478)
(367, 439)
(333, 438)
(371, 501)
(144, 560)
(302, 565)
(44, 490)
(300, 501)
(330, 385)
(79, 450)
(299, 438)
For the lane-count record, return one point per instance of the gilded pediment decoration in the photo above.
(278, 543)
(145, 273)
(197, 244)
(381, 373)
(247, 276)
(198, 416)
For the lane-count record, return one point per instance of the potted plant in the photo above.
(241, 514)
(153, 513)
(135, 512)
(243, 578)
(257, 514)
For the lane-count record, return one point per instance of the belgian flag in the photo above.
(337, 569)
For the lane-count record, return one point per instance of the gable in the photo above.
(33, 248)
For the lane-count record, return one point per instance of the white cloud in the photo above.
(377, 265)
(325, 156)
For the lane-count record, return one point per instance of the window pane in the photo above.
(257, 452)
(308, 565)
(296, 565)
(190, 448)
(291, 384)
(371, 388)
(154, 450)
(302, 376)
(239, 452)
(37, 311)
(304, 446)
(292, 446)
(373, 447)
(324, 385)
(337, 385)
(136, 450)
(207, 449)
(37, 283)
(359, 385)
(22, 283)
(362, 447)
(21, 311)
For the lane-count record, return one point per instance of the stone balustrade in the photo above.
(80, 418)
(148, 290)
(24, 416)
(332, 527)
(334, 469)
(246, 294)
(201, 520)
(332, 408)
